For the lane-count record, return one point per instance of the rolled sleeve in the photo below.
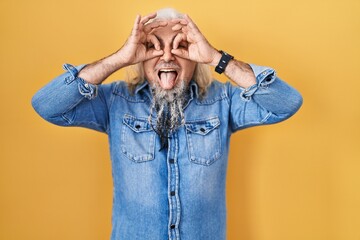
(86, 89)
(69, 100)
(269, 100)
(264, 77)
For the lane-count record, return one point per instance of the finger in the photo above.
(151, 26)
(180, 53)
(192, 31)
(153, 53)
(179, 37)
(136, 24)
(153, 39)
(177, 27)
(191, 23)
(180, 20)
(185, 30)
(147, 18)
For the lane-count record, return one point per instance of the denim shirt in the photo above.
(177, 192)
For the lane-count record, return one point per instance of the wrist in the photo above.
(216, 58)
(95, 73)
(119, 61)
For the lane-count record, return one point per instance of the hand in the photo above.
(135, 48)
(198, 49)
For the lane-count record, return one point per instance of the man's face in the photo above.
(168, 70)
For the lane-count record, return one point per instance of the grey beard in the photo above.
(168, 106)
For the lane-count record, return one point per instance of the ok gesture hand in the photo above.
(134, 49)
(198, 49)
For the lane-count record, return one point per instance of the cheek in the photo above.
(190, 69)
(148, 69)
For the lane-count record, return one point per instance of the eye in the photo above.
(183, 45)
(150, 45)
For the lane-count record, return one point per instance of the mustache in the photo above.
(167, 65)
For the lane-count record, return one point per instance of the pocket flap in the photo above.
(203, 127)
(137, 125)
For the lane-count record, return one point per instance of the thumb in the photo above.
(180, 53)
(153, 53)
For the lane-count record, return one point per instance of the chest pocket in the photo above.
(137, 139)
(203, 139)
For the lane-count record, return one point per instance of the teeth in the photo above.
(167, 70)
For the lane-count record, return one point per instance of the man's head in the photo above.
(168, 70)
(185, 69)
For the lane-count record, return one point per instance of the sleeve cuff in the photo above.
(86, 89)
(264, 76)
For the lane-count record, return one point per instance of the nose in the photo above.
(167, 56)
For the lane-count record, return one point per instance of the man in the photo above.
(169, 127)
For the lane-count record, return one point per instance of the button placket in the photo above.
(173, 184)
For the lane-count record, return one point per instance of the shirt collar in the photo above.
(194, 89)
(141, 86)
(145, 87)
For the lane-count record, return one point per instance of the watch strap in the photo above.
(225, 59)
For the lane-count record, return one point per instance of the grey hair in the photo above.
(202, 74)
(167, 14)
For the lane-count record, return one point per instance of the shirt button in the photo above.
(172, 226)
(172, 193)
(171, 161)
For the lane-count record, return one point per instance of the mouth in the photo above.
(168, 77)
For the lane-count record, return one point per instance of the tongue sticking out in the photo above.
(167, 79)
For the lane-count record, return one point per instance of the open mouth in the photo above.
(167, 77)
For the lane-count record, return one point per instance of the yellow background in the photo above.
(296, 180)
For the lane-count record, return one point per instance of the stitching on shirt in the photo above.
(266, 117)
(216, 97)
(118, 90)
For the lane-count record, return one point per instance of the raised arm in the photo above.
(133, 51)
(77, 98)
(260, 98)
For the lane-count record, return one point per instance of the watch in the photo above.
(225, 59)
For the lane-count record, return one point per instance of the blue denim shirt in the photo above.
(177, 192)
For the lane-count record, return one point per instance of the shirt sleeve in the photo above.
(269, 101)
(69, 100)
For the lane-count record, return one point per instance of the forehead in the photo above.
(165, 33)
